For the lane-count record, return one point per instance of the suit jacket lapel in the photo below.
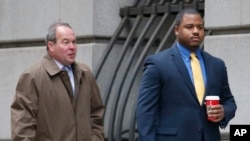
(178, 61)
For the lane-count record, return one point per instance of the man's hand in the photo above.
(216, 111)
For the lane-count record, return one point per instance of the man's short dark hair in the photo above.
(180, 15)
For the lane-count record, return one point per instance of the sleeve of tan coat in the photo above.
(23, 110)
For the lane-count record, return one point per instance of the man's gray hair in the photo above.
(51, 35)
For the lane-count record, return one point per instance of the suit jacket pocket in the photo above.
(167, 131)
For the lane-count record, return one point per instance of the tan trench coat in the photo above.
(44, 110)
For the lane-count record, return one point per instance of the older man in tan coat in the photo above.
(52, 105)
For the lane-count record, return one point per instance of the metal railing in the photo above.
(146, 28)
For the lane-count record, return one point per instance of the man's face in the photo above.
(65, 48)
(190, 32)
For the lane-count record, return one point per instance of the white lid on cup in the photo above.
(212, 97)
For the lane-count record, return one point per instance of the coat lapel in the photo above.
(178, 61)
(53, 70)
(65, 78)
(77, 75)
(81, 88)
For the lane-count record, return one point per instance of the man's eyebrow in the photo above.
(195, 24)
(65, 39)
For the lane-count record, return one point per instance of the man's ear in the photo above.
(50, 46)
(176, 29)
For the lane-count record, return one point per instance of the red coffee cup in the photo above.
(210, 101)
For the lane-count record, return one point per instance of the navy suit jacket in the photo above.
(168, 109)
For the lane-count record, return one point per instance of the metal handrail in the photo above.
(125, 80)
(120, 115)
(111, 81)
(137, 66)
(110, 46)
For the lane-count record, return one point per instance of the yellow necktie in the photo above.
(197, 76)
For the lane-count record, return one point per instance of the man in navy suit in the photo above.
(168, 108)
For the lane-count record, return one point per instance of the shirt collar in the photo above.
(59, 64)
(186, 53)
